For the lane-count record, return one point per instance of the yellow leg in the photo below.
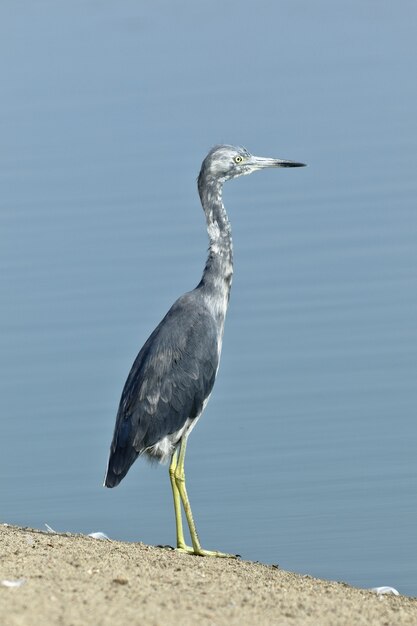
(177, 504)
(177, 476)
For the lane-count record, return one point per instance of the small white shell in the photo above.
(382, 590)
(13, 583)
(99, 535)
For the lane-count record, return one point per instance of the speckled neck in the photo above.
(217, 276)
(219, 265)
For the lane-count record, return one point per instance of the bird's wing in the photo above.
(171, 377)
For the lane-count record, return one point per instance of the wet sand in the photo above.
(76, 580)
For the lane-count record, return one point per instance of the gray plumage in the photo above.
(174, 373)
(169, 381)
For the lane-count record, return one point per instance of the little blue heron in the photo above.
(173, 375)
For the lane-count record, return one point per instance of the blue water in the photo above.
(306, 453)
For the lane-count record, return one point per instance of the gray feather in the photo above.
(170, 379)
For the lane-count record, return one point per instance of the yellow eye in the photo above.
(238, 159)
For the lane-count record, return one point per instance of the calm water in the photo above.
(306, 454)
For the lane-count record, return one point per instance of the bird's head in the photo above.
(226, 162)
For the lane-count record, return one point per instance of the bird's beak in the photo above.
(262, 162)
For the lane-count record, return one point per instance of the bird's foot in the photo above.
(200, 552)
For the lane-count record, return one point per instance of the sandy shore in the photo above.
(74, 580)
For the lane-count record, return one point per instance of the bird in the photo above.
(172, 377)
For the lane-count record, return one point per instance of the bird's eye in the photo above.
(238, 159)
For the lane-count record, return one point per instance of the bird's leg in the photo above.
(179, 478)
(177, 504)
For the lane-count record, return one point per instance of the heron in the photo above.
(171, 380)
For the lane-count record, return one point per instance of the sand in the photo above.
(74, 580)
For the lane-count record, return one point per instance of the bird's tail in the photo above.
(119, 465)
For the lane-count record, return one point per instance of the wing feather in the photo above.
(170, 379)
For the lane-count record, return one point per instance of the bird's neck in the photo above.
(217, 276)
